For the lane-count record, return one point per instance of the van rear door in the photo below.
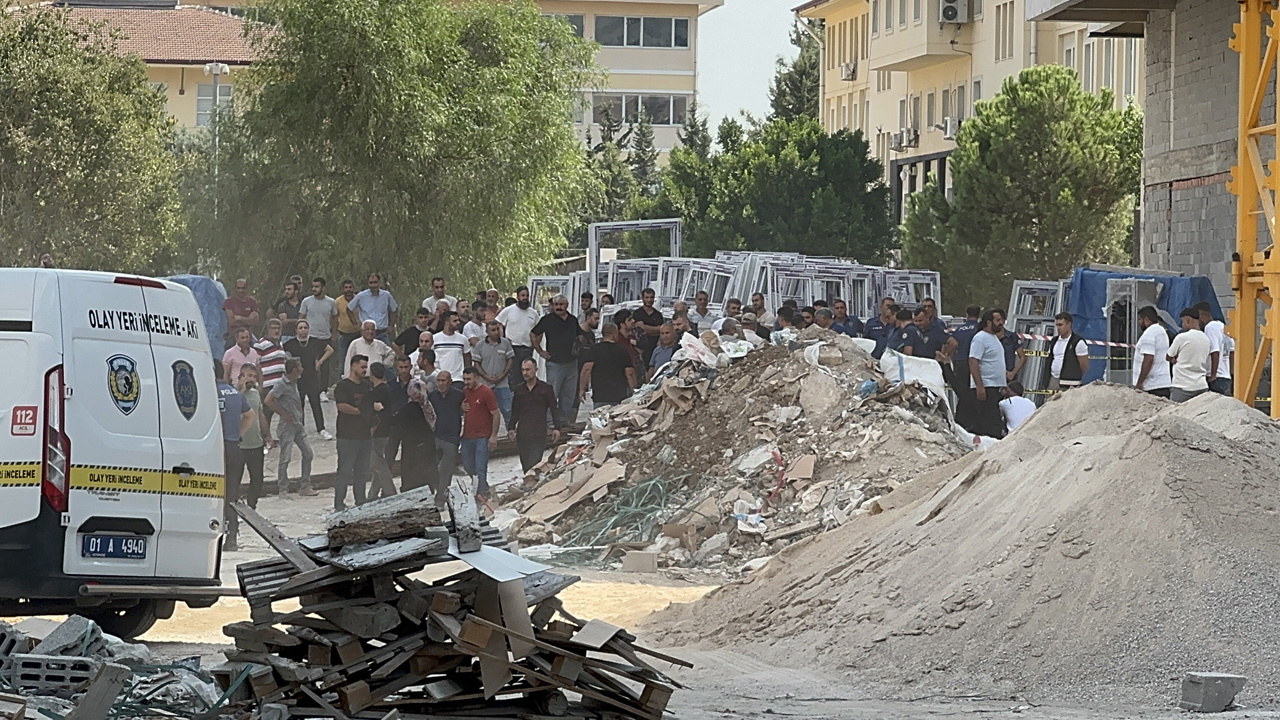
(27, 355)
(113, 422)
(190, 435)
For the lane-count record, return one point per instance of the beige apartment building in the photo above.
(908, 72)
(650, 52)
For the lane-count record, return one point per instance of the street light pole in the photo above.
(216, 69)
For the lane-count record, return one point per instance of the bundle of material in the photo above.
(715, 467)
(385, 624)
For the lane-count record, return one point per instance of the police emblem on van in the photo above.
(184, 388)
(123, 382)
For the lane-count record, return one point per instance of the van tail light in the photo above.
(57, 446)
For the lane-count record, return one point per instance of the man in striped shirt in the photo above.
(271, 359)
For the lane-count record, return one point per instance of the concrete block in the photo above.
(274, 711)
(1210, 692)
(55, 675)
(640, 561)
(77, 636)
(12, 640)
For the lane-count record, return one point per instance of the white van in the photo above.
(111, 467)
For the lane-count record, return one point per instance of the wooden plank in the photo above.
(260, 633)
(405, 515)
(546, 584)
(396, 661)
(595, 634)
(306, 582)
(287, 548)
(102, 693)
(388, 555)
(355, 696)
(494, 674)
(626, 652)
(329, 710)
(466, 518)
(584, 691)
(515, 616)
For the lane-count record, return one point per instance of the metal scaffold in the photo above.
(1255, 268)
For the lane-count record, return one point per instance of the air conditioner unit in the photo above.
(849, 71)
(898, 141)
(950, 126)
(953, 11)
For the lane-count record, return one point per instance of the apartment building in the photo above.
(650, 52)
(908, 72)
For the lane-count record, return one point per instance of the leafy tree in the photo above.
(643, 158)
(412, 137)
(797, 85)
(84, 172)
(1044, 176)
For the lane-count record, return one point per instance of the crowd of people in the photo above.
(442, 389)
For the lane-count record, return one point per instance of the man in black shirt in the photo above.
(648, 321)
(586, 341)
(313, 354)
(447, 401)
(355, 421)
(610, 372)
(407, 341)
(561, 331)
(380, 484)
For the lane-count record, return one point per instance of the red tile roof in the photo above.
(176, 36)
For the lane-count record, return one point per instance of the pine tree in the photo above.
(643, 158)
(795, 88)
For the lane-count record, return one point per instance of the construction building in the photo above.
(908, 72)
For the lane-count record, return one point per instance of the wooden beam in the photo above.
(287, 548)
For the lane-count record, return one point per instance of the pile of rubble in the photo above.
(74, 670)
(390, 621)
(716, 467)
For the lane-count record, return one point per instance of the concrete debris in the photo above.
(784, 443)
(1110, 543)
(1210, 692)
(77, 671)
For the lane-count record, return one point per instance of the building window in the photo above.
(1087, 77)
(660, 109)
(577, 22)
(888, 15)
(204, 101)
(915, 113)
(977, 8)
(977, 90)
(902, 114)
(946, 102)
(884, 80)
(1108, 62)
(931, 110)
(1130, 67)
(1006, 20)
(902, 13)
(831, 127)
(1069, 51)
(866, 38)
(875, 17)
(961, 108)
(916, 9)
(866, 114)
(649, 32)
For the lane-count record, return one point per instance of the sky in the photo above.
(738, 43)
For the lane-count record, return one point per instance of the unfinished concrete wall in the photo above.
(1191, 107)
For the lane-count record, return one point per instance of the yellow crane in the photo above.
(1255, 179)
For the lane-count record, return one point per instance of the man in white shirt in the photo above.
(438, 295)
(1215, 331)
(452, 349)
(1070, 355)
(1014, 408)
(1226, 363)
(1189, 353)
(474, 330)
(517, 322)
(369, 346)
(987, 376)
(701, 314)
(1150, 368)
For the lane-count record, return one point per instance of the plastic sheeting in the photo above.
(209, 296)
(1088, 297)
(898, 368)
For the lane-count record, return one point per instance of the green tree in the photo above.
(411, 137)
(643, 158)
(796, 85)
(1044, 179)
(84, 171)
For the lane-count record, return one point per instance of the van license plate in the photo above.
(127, 547)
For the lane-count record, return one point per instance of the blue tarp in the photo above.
(1088, 296)
(209, 296)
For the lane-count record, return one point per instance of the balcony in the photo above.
(919, 45)
(1095, 10)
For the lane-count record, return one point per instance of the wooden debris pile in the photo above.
(401, 611)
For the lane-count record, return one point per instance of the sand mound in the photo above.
(1111, 544)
